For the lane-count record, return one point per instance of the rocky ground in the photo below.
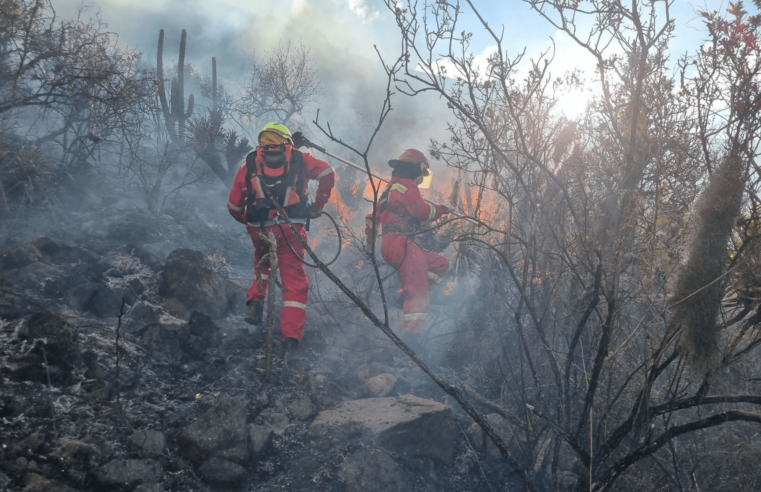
(171, 394)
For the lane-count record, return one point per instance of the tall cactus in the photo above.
(175, 113)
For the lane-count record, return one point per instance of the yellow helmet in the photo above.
(281, 133)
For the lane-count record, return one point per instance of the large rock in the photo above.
(380, 385)
(59, 339)
(221, 432)
(76, 458)
(19, 256)
(95, 298)
(407, 425)
(199, 334)
(85, 289)
(127, 474)
(143, 313)
(222, 472)
(147, 443)
(171, 343)
(38, 483)
(189, 277)
(259, 438)
(275, 421)
(162, 343)
(370, 470)
(302, 408)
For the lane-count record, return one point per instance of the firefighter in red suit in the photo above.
(277, 171)
(402, 211)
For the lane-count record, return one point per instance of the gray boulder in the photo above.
(302, 408)
(162, 343)
(275, 421)
(19, 256)
(370, 470)
(147, 443)
(380, 385)
(60, 339)
(407, 425)
(259, 438)
(143, 313)
(189, 277)
(127, 474)
(219, 471)
(199, 334)
(95, 298)
(220, 432)
(37, 483)
(76, 458)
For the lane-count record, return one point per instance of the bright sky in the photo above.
(341, 34)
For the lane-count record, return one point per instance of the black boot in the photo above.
(255, 313)
(292, 357)
(399, 299)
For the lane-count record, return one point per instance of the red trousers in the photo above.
(416, 267)
(292, 274)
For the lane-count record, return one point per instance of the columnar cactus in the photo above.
(175, 113)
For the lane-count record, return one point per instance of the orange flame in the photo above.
(344, 211)
(449, 288)
(368, 193)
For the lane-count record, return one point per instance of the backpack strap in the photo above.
(256, 209)
(297, 179)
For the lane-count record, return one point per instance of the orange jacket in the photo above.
(314, 168)
(403, 207)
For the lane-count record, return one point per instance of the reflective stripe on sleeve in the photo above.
(431, 212)
(265, 276)
(295, 304)
(233, 207)
(325, 173)
(414, 316)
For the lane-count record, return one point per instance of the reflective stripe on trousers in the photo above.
(292, 273)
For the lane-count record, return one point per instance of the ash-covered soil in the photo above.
(171, 394)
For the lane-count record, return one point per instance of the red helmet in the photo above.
(412, 156)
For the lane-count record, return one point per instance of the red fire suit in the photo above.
(292, 271)
(400, 212)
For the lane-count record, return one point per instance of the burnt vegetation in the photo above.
(598, 329)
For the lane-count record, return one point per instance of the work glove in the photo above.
(314, 213)
(299, 140)
(443, 210)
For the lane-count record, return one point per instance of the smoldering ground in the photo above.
(160, 370)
